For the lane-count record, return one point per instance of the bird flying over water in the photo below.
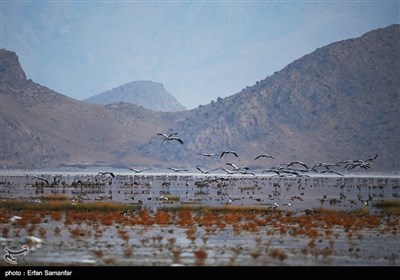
(170, 137)
(264, 155)
(207, 155)
(296, 162)
(106, 173)
(205, 171)
(178, 169)
(42, 179)
(228, 152)
(139, 170)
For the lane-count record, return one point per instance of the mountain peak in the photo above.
(149, 94)
(11, 73)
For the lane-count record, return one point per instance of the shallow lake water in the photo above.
(292, 233)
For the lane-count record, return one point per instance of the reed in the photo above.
(59, 197)
(65, 205)
(219, 209)
(389, 206)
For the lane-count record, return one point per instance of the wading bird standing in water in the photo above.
(170, 137)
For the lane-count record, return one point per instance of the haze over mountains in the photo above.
(339, 102)
(148, 94)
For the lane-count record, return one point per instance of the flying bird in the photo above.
(206, 154)
(264, 155)
(296, 162)
(230, 172)
(178, 169)
(170, 137)
(205, 171)
(139, 170)
(332, 171)
(42, 179)
(228, 152)
(371, 159)
(237, 168)
(106, 173)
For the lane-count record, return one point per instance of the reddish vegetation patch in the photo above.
(5, 231)
(185, 218)
(278, 254)
(145, 218)
(42, 232)
(191, 234)
(201, 256)
(162, 218)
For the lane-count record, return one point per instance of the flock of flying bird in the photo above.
(293, 168)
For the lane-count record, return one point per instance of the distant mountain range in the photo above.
(148, 94)
(339, 102)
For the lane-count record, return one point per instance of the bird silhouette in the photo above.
(228, 152)
(106, 173)
(264, 155)
(178, 169)
(205, 171)
(139, 170)
(207, 154)
(170, 137)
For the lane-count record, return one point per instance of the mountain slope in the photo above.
(339, 102)
(148, 94)
(41, 128)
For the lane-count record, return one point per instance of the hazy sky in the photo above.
(199, 50)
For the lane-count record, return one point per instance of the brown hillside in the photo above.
(339, 102)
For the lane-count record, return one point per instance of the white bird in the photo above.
(14, 218)
(235, 167)
(139, 170)
(230, 172)
(170, 137)
(178, 169)
(31, 240)
(204, 171)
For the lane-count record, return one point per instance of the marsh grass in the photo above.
(171, 197)
(219, 209)
(65, 205)
(59, 197)
(390, 206)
